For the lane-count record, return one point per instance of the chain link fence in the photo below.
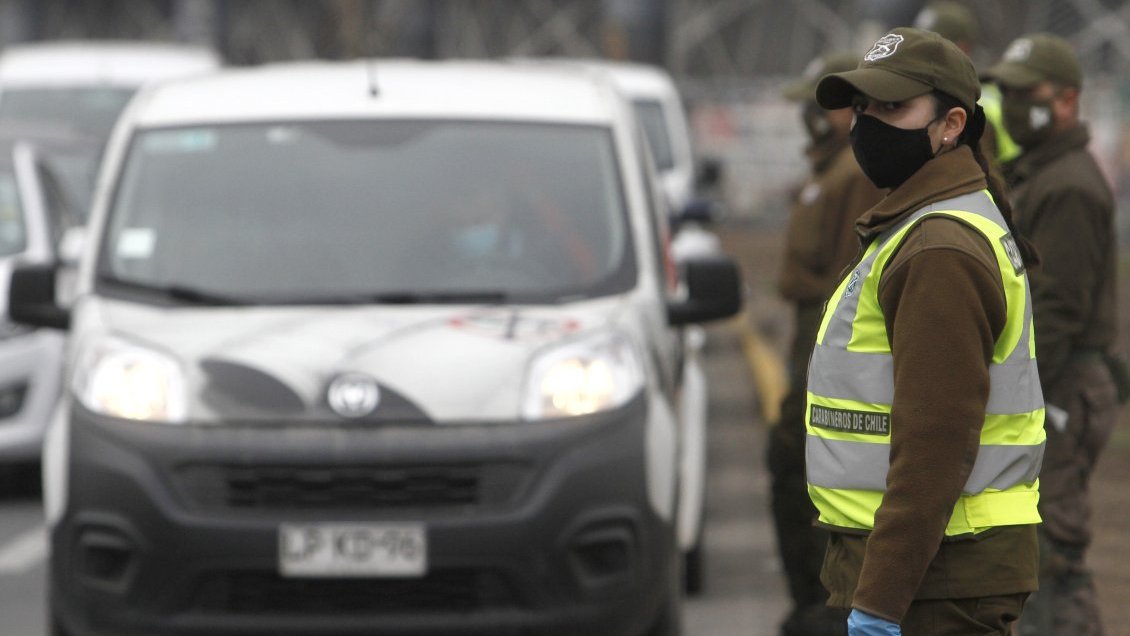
(730, 57)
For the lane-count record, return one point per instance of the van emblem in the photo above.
(353, 395)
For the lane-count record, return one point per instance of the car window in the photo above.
(13, 231)
(75, 171)
(93, 110)
(351, 211)
(61, 211)
(651, 116)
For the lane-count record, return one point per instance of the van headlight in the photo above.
(585, 376)
(122, 379)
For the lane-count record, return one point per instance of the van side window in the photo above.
(13, 231)
(658, 216)
(61, 212)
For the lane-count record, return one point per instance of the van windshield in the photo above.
(369, 212)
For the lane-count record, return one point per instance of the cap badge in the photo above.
(884, 47)
(353, 395)
(1019, 50)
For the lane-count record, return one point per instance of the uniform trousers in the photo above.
(1066, 603)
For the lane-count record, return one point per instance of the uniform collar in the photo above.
(1030, 162)
(946, 176)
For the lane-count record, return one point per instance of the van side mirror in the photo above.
(31, 298)
(708, 174)
(714, 290)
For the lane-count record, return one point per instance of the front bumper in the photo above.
(31, 369)
(535, 528)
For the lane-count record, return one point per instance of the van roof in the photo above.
(381, 88)
(101, 62)
(634, 79)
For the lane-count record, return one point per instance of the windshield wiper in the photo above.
(424, 298)
(197, 296)
(185, 294)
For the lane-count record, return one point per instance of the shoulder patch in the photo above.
(853, 284)
(1013, 252)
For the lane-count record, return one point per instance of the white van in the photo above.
(371, 346)
(37, 207)
(84, 84)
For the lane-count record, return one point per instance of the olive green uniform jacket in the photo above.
(944, 305)
(820, 241)
(1065, 208)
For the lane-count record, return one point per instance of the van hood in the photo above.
(430, 363)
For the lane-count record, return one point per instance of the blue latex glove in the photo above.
(864, 624)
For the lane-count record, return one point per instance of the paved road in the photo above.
(743, 594)
(23, 548)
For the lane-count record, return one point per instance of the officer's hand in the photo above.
(864, 624)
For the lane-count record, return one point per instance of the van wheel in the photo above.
(55, 626)
(669, 620)
(694, 569)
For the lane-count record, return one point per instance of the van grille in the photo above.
(456, 590)
(349, 488)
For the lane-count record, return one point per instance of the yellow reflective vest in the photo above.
(851, 389)
(1007, 150)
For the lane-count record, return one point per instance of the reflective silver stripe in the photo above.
(1014, 387)
(839, 330)
(848, 465)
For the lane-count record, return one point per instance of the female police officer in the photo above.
(925, 417)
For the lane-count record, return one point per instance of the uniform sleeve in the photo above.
(944, 306)
(1071, 235)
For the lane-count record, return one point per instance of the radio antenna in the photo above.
(371, 75)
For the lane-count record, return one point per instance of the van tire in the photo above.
(669, 619)
(694, 569)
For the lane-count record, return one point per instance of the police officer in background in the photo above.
(820, 242)
(956, 23)
(1065, 207)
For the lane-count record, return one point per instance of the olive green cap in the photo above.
(951, 20)
(1035, 58)
(804, 89)
(901, 65)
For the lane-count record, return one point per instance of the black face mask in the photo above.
(1029, 121)
(887, 154)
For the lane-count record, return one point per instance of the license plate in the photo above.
(353, 550)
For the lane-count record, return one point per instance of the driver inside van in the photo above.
(497, 228)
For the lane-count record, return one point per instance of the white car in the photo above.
(36, 210)
(374, 343)
(84, 84)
